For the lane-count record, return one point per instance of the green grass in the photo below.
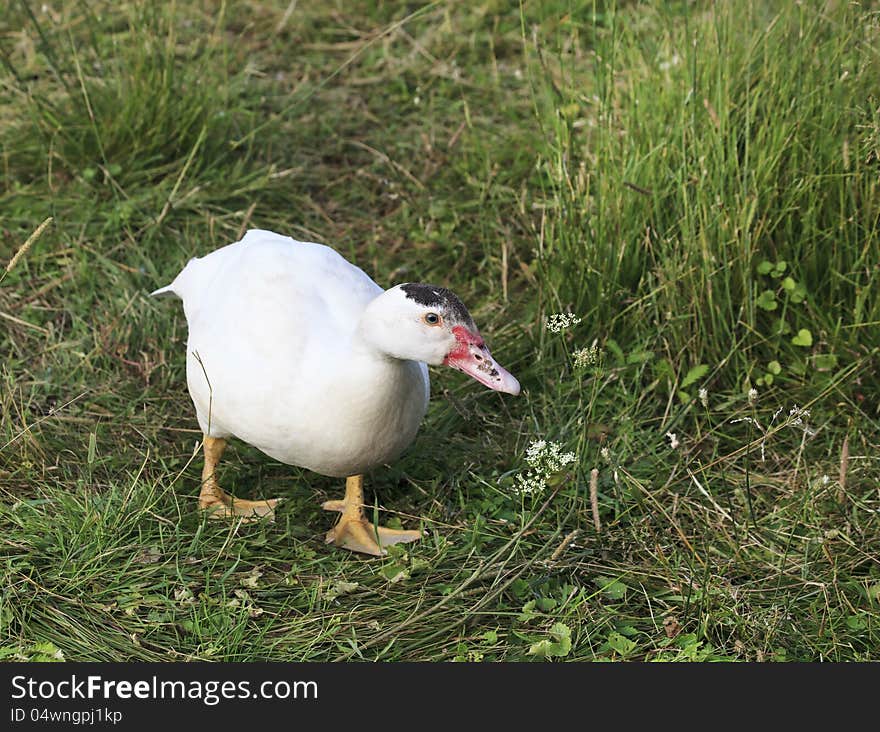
(699, 185)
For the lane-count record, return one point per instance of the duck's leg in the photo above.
(217, 502)
(353, 531)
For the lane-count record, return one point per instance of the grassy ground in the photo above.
(699, 186)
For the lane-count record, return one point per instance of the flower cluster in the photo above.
(796, 415)
(544, 460)
(704, 398)
(548, 456)
(668, 63)
(586, 357)
(558, 322)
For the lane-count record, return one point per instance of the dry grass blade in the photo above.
(23, 249)
(594, 499)
(844, 468)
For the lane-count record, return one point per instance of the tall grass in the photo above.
(676, 161)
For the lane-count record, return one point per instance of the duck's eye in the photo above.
(431, 319)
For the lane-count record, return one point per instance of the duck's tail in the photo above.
(180, 284)
(167, 290)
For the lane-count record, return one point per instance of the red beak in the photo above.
(472, 357)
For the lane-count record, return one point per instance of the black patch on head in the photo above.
(441, 299)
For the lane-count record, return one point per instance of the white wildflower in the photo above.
(825, 480)
(673, 440)
(545, 459)
(558, 322)
(673, 60)
(796, 415)
(606, 454)
(753, 395)
(704, 397)
(586, 357)
(534, 449)
(548, 456)
(528, 483)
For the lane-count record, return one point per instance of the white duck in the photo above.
(298, 352)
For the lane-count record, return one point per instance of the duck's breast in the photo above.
(355, 416)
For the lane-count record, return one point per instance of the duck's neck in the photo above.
(370, 353)
(390, 392)
(371, 339)
(375, 365)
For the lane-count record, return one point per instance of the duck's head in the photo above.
(428, 323)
